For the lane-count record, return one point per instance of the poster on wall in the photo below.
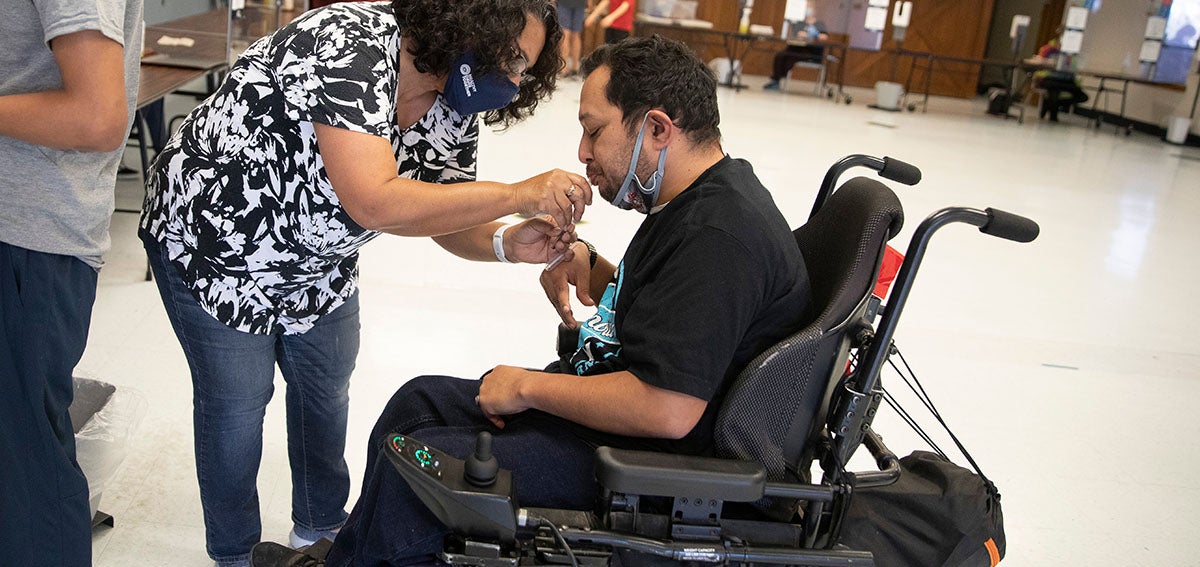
(795, 10)
(1156, 27)
(876, 18)
(1072, 40)
(1150, 51)
(1077, 18)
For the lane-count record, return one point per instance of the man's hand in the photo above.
(500, 393)
(574, 271)
(538, 240)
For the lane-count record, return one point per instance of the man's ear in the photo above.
(660, 128)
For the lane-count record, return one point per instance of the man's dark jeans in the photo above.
(552, 468)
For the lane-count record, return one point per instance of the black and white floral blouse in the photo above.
(240, 198)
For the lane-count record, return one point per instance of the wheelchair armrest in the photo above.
(667, 474)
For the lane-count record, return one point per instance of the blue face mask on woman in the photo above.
(468, 93)
(643, 198)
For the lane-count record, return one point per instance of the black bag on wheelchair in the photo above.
(936, 514)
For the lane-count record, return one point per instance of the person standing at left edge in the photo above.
(68, 87)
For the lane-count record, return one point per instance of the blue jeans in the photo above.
(552, 468)
(232, 381)
(45, 308)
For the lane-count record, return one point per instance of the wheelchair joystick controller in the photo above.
(481, 467)
(474, 498)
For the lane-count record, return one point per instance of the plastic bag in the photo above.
(102, 439)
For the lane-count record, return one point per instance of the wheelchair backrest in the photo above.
(777, 403)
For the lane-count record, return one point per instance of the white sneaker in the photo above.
(296, 542)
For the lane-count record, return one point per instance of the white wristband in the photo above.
(498, 244)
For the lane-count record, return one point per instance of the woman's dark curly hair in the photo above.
(439, 31)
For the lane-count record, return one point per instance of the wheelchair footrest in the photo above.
(665, 474)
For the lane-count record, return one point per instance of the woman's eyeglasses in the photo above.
(517, 66)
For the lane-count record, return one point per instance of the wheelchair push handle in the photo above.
(1009, 226)
(992, 221)
(900, 171)
(888, 168)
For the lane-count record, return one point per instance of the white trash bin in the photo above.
(720, 67)
(887, 95)
(1177, 129)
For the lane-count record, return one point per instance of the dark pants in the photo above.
(786, 59)
(45, 308)
(1060, 94)
(551, 467)
(612, 35)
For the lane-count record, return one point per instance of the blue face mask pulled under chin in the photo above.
(468, 93)
(634, 195)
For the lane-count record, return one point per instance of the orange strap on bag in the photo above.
(892, 259)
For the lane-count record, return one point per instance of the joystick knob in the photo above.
(481, 467)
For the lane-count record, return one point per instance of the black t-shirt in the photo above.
(708, 282)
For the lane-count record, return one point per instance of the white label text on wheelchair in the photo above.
(705, 554)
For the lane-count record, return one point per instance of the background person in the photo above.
(1062, 87)
(617, 20)
(353, 120)
(810, 30)
(68, 89)
(571, 14)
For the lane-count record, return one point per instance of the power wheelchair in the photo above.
(810, 398)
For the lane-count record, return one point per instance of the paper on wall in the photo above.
(1077, 18)
(1072, 40)
(1150, 49)
(876, 18)
(1156, 27)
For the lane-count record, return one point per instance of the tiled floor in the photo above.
(1065, 364)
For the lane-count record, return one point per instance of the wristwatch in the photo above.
(591, 252)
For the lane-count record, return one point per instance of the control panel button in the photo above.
(423, 457)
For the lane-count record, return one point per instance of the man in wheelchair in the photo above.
(711, 279)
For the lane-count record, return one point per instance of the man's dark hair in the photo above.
(442, 30)
(656, 72)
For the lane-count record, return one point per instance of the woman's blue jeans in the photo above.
(232, 381)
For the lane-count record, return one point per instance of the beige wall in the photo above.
(1111, 44)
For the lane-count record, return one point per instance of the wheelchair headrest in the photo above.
(842, 244)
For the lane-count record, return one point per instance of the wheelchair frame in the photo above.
(491, 531)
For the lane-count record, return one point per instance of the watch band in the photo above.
(591, 252)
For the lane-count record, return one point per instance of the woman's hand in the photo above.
(576, 271)
(539, 240)
(561, 194)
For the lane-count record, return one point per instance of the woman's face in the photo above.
(529, 47)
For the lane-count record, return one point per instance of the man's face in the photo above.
(606, 145)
